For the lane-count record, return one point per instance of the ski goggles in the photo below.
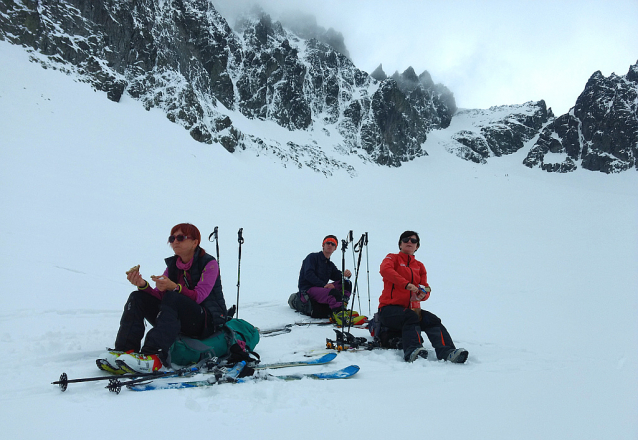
(172, 238)
(331, 241)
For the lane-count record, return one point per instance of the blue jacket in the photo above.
(317, 271)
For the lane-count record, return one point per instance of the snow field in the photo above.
(533, 273)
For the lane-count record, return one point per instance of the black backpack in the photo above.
(301, 302)
(383, 336)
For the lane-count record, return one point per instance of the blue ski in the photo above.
(339, 374)
(319, 361)
(344, 373)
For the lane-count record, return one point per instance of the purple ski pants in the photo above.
(325, 295)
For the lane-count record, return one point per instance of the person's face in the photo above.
(328, 248)
(411, 246)
(184, 247)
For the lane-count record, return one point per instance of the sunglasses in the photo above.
(411, 240)
(331, 243)
(172, 238)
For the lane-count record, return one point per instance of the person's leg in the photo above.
(178, 314)
(324, 295)
(406, 321)
(437, 334)
(340, 291)
(139, 306)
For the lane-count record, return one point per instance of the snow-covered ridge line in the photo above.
(184, 58)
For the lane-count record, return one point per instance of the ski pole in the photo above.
(65, 381)
(368, 270)
(344, 246)
(358, 245)
(240, 239)
(215, 234)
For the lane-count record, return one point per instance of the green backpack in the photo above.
(237, 337)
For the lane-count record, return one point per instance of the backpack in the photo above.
(236, 341)
(383, 336)
(302, 303)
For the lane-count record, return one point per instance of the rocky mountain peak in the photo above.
(632, 75)
(378, 73)
(600, 133)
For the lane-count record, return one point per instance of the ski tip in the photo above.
(327, 357)
(352, 369)
(344, 373)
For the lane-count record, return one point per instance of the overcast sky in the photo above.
(489, 52)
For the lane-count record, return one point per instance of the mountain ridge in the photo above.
(184, 58)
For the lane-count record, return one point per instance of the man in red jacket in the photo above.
(405, 281)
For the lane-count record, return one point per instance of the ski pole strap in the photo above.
(359, 244)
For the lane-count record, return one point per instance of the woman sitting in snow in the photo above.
(187, 298)
(405, 281)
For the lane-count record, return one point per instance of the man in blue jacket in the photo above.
(320, 280)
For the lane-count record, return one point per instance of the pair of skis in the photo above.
(142, 379)
(232, 376)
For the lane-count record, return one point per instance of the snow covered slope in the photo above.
(534, 273)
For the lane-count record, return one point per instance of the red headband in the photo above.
(330, 240)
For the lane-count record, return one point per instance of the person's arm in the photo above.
(423, 281)
(309, 271)
(335, 274)
(389, 273)
(146, 287)
(424, 276)
(205, 285)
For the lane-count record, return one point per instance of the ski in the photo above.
(344, 373)
(288, 327)
(221, 375)
(329, 357)
(276, 331)
(324, 351)
(64, 381)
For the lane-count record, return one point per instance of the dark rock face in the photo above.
(499, 130)
(270, 78)
(600, 133)
(182, 57)
(403, 110)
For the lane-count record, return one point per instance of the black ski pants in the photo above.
(170, 316)
(407, 321)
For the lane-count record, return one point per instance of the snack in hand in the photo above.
(133, 269)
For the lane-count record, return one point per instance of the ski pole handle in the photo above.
(215, 234)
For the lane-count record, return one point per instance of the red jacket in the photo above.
(399, 270)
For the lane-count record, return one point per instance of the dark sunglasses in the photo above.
(410, 239)
(172, 238)
(331, 243)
